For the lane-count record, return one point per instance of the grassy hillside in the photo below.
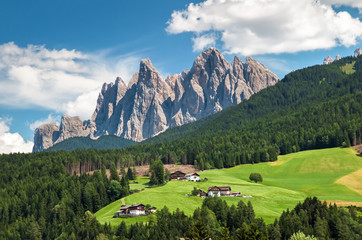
(286, 182)
(104, 142)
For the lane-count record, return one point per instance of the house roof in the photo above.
(202, 193)
(123, 207)
(193, 174)
(152, 208)
(216, 188)
(178, 173)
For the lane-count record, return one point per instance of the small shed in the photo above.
(152, 209)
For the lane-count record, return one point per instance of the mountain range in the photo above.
(149, 105)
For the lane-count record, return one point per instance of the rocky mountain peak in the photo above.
(133, 80)
(357, 52)
(149, 75)
(149, 105)
(209, 60)
(237, 60)
(258, 76)
(45, 136)
(328, 60)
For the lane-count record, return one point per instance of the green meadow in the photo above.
(286, 182)
(349, 68)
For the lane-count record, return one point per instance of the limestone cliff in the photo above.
(150, 105)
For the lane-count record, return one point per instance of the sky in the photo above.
(55, 55)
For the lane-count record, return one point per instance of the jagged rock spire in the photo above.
(149, 105)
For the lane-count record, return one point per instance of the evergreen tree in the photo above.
(130, 174)
(114, 172)
(157, 173)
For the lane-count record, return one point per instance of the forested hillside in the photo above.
(312, 108)
(104, 142)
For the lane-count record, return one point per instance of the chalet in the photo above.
(219, 191)
(131, 210)
(202, 194)
(178, 175)
(152, 209)
(193, 177)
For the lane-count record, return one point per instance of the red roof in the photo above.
(216, 188)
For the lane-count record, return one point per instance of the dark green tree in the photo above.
(114, 172)
(255, 177)
(157, 173)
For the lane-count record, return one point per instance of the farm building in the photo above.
(131, 210)
(134, 210)
(193, 177)
(178, 175)
(152, 209)
(221, 192)
(202, 194)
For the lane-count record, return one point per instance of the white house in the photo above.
(152, 209)
(131, 210)
(193, 177)
(219, 191)
(137, 209)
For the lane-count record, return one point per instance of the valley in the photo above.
(287, 181)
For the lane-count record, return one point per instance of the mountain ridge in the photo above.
(149, 105)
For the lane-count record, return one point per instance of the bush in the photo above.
(195, 191)
(255, 177)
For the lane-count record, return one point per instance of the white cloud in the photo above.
(348, 3)
(12, 142)
(268, 26)
(61, 80)
(203, 41)
(81, 105)
(38, 123)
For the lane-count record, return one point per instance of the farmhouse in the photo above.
(221, 192)
(152, 209)
(134, 210)
(131, 210)
(178, 175)
(202, 194)
(193, 177)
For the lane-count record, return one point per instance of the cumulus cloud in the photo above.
(268, 26)
(348, 3)
(12, 142)
(203, 41)
(63, 80)
(38, 123)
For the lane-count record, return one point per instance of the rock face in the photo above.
(149, 104)
(327, 60)
(338, 57)
(49, 134)
(45, 136)
(357, 52)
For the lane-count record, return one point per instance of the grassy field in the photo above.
(329, 174)
(348, 68)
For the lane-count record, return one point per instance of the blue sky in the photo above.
(55, 55)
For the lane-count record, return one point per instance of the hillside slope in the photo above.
(297, 90)
(312, 108)
(286, 182)
(104, 142)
